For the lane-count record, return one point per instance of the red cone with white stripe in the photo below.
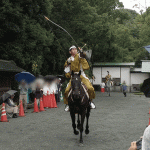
(21, 110)
(41, 105)
(35, 106)
(3, 115)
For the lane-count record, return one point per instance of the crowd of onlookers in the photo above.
(40, 89)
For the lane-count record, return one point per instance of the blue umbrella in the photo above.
(27, 76)
(147, 48)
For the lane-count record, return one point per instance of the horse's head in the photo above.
(75, 85)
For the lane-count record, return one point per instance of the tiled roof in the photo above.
(9, 66)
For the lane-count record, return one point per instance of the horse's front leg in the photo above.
(87, 121)
(78, 125)
(73, 123)
(81, 126)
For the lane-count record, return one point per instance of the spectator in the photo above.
(11, 107)
(102, 85)
(57, 93)
(133, 146)
(23, 94)
(124, 88)
(28, 95)
(38, 94)
(45, 96)
(145, 141)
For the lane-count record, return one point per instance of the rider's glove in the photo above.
(82, 55)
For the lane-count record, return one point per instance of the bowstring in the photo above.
(57, 40)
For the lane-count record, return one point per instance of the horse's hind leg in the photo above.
(87, 121)
(78, 125)
(73, 123)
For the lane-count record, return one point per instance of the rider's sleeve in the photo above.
(68, 75)
(66, 63)
(85, 64)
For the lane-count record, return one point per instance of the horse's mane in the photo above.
(83, 94)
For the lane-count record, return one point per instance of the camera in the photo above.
(139, 144)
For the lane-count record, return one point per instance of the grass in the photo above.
(139, 93)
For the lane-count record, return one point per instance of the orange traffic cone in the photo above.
(41, 105)
(21, 110)
(3, 116)
(149, 120)
(54, 101)
(149, 111)
(35, 106)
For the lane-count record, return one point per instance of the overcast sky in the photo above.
(141, 4)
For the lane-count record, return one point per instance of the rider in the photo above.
(76, 63)
(108, 77)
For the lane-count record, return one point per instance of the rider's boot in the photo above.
(67, 108)
(92, 105)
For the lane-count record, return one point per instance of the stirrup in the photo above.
(92, 105)
(67, 108)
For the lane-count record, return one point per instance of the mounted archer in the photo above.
(108, 77)
(76, 63)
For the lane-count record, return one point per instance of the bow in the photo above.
(61, 28)
(71, 37)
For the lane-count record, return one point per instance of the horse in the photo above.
(78, 101)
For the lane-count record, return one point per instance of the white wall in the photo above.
(113, 71)
(146, 66)
(97, 74)
(125, 75)
(138, 78)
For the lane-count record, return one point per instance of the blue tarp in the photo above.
(147, 48)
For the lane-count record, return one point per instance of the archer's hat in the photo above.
(72, 47)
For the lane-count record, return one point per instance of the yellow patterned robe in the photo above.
(75, 66)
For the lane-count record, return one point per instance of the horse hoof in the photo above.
(81, 144)
(87, 131)
(76, 132)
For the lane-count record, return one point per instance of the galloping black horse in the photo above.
(78, 101)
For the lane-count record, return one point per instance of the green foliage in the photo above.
(114, 35)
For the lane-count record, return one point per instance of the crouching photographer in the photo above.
(143, 143)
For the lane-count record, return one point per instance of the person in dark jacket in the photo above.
(38, 94)
(124, 88)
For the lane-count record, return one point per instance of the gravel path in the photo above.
(115, 122)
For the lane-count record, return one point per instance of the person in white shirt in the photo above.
(145, 141)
